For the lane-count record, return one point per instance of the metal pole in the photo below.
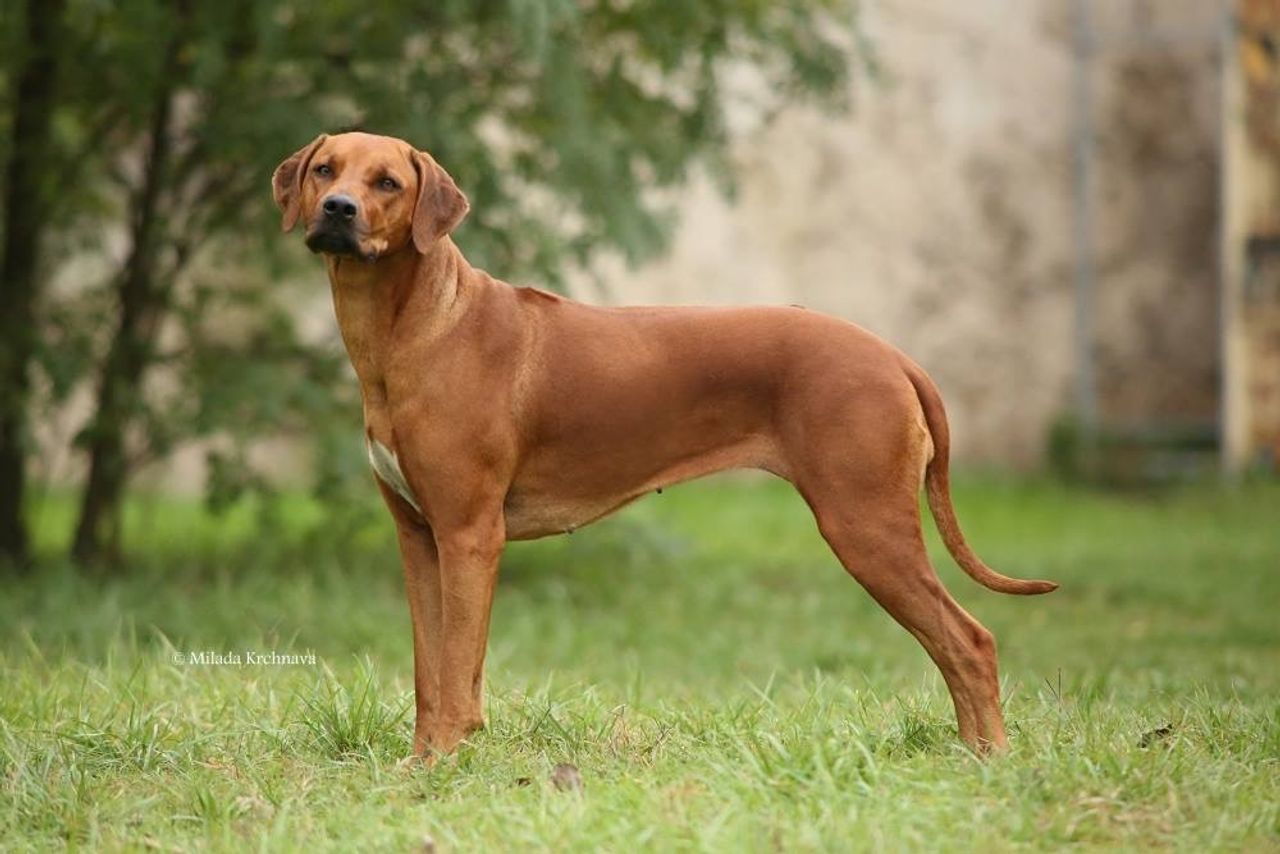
(1224, 229)
(1086, 379)
(1233, 413)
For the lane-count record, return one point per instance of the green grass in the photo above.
(702, 659)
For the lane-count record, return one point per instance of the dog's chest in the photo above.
(386, 465)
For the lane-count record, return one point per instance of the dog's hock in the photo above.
(387, 467)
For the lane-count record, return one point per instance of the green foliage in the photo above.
(723, 685)
(561, 120)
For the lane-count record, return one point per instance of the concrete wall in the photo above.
(939, 213)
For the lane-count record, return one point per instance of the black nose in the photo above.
(339, 206)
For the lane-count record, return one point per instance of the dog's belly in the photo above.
(561, 500)
(529, 517)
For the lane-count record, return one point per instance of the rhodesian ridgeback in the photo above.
(496, 413)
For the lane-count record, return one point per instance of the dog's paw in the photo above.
(418, 761)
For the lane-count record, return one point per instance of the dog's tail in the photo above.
(938, 488)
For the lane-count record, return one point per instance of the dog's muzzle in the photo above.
(334, 231)
(333, 239)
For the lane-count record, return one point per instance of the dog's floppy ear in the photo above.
(440, 206)
(286, 182)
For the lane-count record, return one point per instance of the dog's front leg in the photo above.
(469, 555)
(422, 589)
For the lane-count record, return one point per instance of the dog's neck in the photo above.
(370, 297)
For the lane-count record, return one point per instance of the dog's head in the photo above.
(367, 196)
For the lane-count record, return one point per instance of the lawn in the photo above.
(716, 678)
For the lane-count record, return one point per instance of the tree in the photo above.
(28, 172)
(558, 118)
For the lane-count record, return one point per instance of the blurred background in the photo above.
(1067, 211)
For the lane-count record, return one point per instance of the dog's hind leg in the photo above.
(884, 551)
(868, 511)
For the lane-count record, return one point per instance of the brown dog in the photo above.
(496, 413)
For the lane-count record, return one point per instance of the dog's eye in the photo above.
(389, 184)
(324, 170)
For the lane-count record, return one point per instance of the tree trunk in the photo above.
(25, 209)
(141, 298)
